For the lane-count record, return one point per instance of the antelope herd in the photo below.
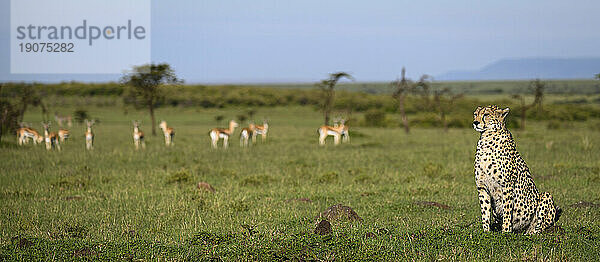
(339, 132)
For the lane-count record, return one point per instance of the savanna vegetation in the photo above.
(414, 192)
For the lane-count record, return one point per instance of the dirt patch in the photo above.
(205, 187)
(582, 204)
(323, 228)
(22, 242)
(68, 198)
(432, 204)
(338, 212)
(370, 235)
(83, 252)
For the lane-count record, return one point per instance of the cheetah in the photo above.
(504, 184)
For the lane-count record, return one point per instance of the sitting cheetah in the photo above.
(504, 184)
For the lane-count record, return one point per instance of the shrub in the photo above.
(375, 117)
(81, 115)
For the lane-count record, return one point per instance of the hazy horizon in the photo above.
(286, 42)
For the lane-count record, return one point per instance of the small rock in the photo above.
(338, 212)
(323, 228)
(206, 187)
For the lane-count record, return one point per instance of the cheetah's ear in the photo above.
(504, 112)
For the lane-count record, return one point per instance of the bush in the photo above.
(375, 117)
(81, 115)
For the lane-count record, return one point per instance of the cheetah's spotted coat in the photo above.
(504, 184)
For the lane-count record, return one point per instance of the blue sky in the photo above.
(259, 41)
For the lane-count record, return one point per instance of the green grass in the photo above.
(119, 204)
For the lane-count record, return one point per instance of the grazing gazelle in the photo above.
(246, 133)
(336, 131)
(24, 133)
(89, 135)
(138, 136)
(51, 138)
(168, 131)
(63, 134)
(60, 119)
(218, 133)
(261, 130)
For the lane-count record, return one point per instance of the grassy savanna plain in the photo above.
(120, 204)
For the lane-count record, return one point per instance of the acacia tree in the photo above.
(537, 87)
(423, 86)
(328, 88)
(145, 84)
(597, 76)
(403, 86)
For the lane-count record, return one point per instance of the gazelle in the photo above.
(63, 134)
(246, 133)
(89, 135)
(138, 136)
(218, 133)
(51, 138)
(60, 119)
(24, 133)
(261, 130)
(336, 131)
(345, 134)
(168, 131)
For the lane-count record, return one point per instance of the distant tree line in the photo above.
(415, 103)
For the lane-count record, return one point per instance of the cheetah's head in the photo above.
(489, 118)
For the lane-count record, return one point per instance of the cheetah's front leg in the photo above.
(486, 207)
(508, 205)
